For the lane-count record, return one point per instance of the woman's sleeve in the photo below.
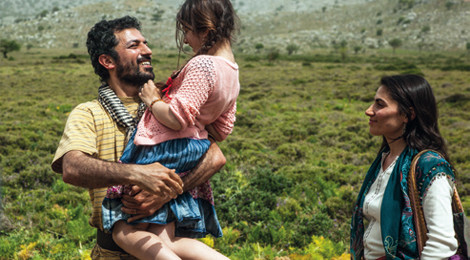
(437, 208)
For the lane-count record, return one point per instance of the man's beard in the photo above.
(132, 75)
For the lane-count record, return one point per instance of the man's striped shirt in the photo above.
(90, 129)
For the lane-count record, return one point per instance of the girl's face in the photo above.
(193, 39)
(384, 117)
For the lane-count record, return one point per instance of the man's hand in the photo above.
(141, 203)
(159, 180)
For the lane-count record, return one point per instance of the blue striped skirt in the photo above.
(193, 218)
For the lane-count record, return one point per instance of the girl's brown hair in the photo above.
(216, 17)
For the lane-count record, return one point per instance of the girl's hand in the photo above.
(149, 92)
(160, 85)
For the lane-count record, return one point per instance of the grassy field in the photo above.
(295, 160)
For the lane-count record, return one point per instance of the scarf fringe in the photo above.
(109, 100)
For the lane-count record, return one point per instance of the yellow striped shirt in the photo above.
(91, 129)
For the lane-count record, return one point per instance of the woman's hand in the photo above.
(149, 92)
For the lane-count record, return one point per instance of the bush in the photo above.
(292, 48)
(7, 46)
(322, 248)
(251, 58)
(273, 54)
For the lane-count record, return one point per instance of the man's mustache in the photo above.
(144, 58)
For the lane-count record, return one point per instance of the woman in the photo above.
(405, 114)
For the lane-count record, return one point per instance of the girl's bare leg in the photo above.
(186, 248)
(139, 242)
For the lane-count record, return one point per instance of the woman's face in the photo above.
(384, 117)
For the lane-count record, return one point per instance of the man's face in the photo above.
(135, 58)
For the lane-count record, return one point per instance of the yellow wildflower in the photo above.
(26, 251)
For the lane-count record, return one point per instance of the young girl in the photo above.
(198, 100)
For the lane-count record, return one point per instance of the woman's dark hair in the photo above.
(414, 95)
(101, 40)
(217, 17)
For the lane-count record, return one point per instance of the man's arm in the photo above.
(85, 171)
(82, 170)
(210, 163)
(145, 204)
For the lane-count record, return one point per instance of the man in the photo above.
(96, 131)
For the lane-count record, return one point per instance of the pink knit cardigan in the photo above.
(204, 93)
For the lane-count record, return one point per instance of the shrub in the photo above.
(259, 46)
(7, 46)
(273, 54)
(322, 248)
(426, 29)
(251, 58)
(379, 32)
(449, 5)
(395, 43)
(292, 48)
(407, 4)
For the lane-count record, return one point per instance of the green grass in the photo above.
(295, 161)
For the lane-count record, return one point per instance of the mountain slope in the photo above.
(427, 24)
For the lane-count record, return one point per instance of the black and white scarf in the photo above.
(116, 109)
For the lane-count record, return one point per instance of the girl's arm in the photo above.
(224, 124)
(212, 132)
(151, 96)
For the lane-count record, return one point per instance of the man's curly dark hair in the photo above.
(101, 40)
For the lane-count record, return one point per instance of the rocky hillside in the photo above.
(425, 24)
(364, 24)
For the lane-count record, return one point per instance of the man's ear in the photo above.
(106, 61)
